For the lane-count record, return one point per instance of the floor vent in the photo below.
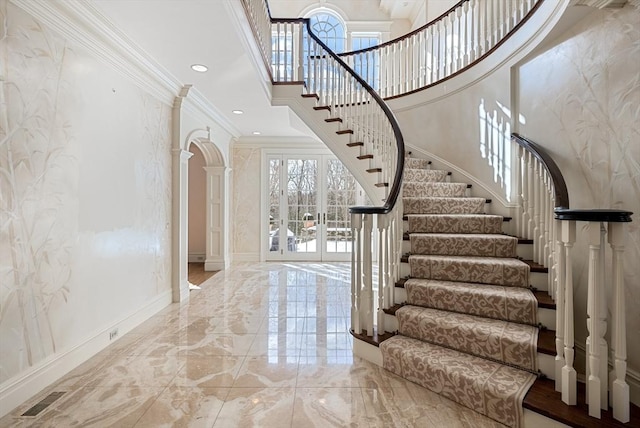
(43, 404)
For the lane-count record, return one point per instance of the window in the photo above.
(330, 29)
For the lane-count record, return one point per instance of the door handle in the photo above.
(324, 218)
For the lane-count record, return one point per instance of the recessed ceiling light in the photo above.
(237, 111)
(199, 68)
(256, 132)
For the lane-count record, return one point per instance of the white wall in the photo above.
(85, 180)
(580, 98)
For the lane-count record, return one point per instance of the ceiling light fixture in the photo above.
(199, 68)
(256, 132)
(237, 111)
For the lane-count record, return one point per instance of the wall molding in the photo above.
(86, 25)
(33, 381)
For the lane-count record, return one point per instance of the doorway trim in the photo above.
(217, 203)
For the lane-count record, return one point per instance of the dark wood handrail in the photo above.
(599, 215)
(463, 69)
(559, 185)
(394, 192)
(406, 36)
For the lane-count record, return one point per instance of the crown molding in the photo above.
(82, 22)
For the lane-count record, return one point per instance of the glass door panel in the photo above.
(302, 203)
(311, 195)
(342, 191)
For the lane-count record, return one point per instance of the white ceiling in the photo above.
(179, 33)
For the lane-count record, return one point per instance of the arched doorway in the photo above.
(216, 256)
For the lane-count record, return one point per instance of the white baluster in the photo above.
(602, 324)
(560, 307)
(569, 387)
(383, 236)
(367, 276)
(356, 269)
(619, 388)
(593, 304)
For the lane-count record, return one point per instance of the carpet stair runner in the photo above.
(468, 329)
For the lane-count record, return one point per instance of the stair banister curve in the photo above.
(553, 230)
(294, 54)
(441, 49)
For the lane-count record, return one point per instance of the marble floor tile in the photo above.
(260, 345)
(329, 407)
(256, 407)
(184, 407)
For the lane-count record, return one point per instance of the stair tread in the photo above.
(514, 304)
(488, 387)
(502, 341)
(542, 398)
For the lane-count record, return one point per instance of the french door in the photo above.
(308, 208)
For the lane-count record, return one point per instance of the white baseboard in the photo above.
(210, 265)
(246, 257)
(196, 257)
(21, 388)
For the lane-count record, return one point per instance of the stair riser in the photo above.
(536, 279)
(405, 228)
(523, 251)
(546, 317)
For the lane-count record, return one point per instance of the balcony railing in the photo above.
(442, 48)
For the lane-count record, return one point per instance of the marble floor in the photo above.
(260, 345)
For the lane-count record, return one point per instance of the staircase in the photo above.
(472, 320)
(467, 318)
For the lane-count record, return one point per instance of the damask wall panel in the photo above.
(85, 174)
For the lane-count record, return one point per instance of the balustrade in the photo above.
(604, 388)
(442, 48)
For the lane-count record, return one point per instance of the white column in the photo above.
(619, 387)
(217, 223)
(569, 395)
(179, 233)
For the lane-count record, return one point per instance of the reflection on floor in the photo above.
(197, 274)
(268, 346)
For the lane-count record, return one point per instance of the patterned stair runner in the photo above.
(468, 328)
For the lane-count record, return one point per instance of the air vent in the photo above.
(43, 404)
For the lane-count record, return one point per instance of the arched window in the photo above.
(330, 29)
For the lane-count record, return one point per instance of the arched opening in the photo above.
(216, 218)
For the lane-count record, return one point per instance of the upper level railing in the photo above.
(293, 53)
(442, 48)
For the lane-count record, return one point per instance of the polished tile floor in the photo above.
(260, 345)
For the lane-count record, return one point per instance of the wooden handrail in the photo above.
(400, 88)
(560, 186)
(394, 192)
(406, 36)
(596, 215)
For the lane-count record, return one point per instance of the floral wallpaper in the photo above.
(84, 194)
(246, 203)
(581, 100)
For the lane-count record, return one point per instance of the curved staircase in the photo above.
(467, 318)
